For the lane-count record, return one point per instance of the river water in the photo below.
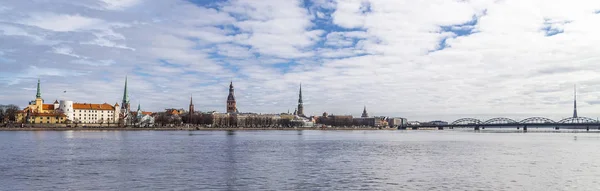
(298, 160)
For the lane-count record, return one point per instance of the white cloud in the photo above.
(61, 22)
(386, 54)
(119, 4)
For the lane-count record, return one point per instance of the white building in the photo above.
(95, 113)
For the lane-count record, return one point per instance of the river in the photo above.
(298, 160)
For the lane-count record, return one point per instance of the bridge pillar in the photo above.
(440, 128)
(556, 128)
(587, 128)
(482, 127)
(518, 127)
(525, 128)
(476, 128)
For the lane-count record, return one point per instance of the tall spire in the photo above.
(139, 107)
(191, 100)
(191, 105)
(125, 95)
(574, 101)
(300, 108)
(300, 95)
(39, 91)
(365, 114)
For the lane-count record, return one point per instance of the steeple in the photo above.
(231, 105)
(300, 95)
(300, 104)
(574, 101)
(191, 105)
(39, 91)
(125, 95)
(365, 114)
(139, 111)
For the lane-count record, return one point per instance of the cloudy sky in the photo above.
(424, 60)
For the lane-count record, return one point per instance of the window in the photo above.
(48, 118)
(47, 121)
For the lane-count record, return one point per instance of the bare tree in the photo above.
(8, 113)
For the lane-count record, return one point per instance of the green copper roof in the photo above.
(39, 92)
(125, 95)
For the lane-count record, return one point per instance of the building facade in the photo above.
(96, 113)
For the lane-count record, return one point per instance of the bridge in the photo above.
(574, 122)
(503, 122)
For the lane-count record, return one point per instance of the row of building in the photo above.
(70, 112)
(67, 111)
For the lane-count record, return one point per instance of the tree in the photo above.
(8, 113)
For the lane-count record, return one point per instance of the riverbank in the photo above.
(175, 129)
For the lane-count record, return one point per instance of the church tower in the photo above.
(191, 106)
(364, 114)
(39, 102)
(300, 104)
(231, 108)
(125, 109)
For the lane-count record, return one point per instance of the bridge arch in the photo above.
(466, 121)
(500, 120)
(536, 120)
(572, 120)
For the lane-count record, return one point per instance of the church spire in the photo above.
(191, 105)
(125, 102)
(39, 91)
(125, 95)
(574, 101)
(300, 104)
(365, 114)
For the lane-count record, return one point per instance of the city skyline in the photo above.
(449, 60)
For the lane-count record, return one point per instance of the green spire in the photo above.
(39, 92)
(139, 107)
(125, 95)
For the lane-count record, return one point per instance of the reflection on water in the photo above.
(298, 160)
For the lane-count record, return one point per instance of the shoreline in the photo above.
(180, 129)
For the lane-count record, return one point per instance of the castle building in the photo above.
(300, 109)
(39, 112)
(68, 112)
(231, 105)
(95, 113)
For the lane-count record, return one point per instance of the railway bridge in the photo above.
(503, 122)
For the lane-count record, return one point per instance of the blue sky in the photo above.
(424, 60)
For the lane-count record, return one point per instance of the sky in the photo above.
(423, 60)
